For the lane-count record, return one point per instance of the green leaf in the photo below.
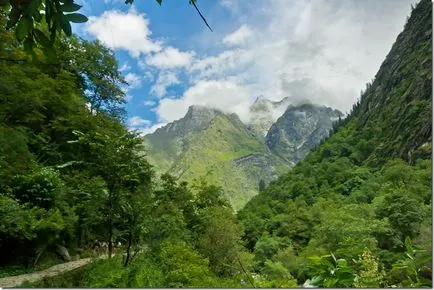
(32, 7)
(28, 44)
(70, 7)
(23, 28)
(14, 16)
(42, 39)
(64, 24)
(37, 16)
(76, 18)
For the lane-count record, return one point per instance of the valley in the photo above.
(220, 149)
(135, 153)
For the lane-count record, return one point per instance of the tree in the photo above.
(113, 156)
(184, 267)
(220, 240)
(96, 68)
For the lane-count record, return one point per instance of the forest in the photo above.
(356, 212)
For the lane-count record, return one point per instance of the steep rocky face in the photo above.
(299, 130)
(401, 94)
(264, 113)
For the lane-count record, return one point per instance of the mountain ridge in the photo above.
(207, 143)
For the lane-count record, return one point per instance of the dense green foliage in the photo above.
(72, 174)
(349, 213)
(355, 213)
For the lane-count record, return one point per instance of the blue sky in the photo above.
(320, 51)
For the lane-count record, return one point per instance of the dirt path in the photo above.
(15, 281)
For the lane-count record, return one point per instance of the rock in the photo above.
(299, 130)
(63, 252)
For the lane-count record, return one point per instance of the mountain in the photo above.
(366, 190)
(299, 130)
(264, 113)
(207, 143)
(166, 144)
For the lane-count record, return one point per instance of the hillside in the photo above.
(365, 193)
(85, 201)
(207, 143)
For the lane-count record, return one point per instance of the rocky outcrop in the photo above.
(299, 130)
(263, 113)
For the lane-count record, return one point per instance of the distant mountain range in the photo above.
(219, 147)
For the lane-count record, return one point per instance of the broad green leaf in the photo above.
(23, 28)
(32, 7)
(408, 255)
(28, 44)
(76, 18)
(408, 245)
(42, 39)
(14, 16)
(333, 256)
(64, 24)
(70, 7)
(37, 16)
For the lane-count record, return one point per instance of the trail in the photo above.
(14, 281)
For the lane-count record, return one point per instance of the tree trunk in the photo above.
(130, 241)
(110, 244)
(80, 231)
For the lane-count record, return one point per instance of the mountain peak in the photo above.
(265, 112)
(299, 129)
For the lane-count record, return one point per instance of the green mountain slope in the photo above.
(166, 144)
(218, 147)
(220, 152)
(209, 144)
(367, 189)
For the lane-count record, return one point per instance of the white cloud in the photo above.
(149, 103)
(128, 31)
(143, 126)
(239, 36)
(137, 122)
(165, 80)
(223, 95)
(148, 76)
(151, 129)
(133, 80)
(170, 57)
(321, 51)
(227, 64)
(125, 67)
